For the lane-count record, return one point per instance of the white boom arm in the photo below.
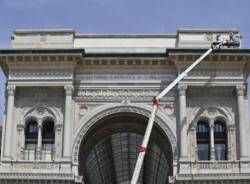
(143, 148)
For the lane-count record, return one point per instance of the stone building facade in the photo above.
(77, 107)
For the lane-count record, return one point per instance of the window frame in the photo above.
(203, 138)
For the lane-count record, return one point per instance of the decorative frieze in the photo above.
(208, 165)
(41, 74)
(24, 59)
(35, 166)
(212, 57)
(128, 61)
(117, 94)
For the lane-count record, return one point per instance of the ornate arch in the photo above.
(103, 111)
(40, 112)
(212, 112)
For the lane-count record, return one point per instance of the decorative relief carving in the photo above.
(117, 94)
(35, 165)
(41, 74)
(169, 108)
(212, 112)
(83, 109)
(215, 165)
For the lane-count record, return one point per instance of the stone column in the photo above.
(67, 122)
(182, 121)
(212, 150)
(9, 124)
(242, 131)
(39, 140)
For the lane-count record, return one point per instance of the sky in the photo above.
(121, 16)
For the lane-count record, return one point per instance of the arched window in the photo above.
(220, 140)
(203, 140)
(31, 135)
(48, 139)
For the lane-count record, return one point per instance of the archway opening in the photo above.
(109, 150)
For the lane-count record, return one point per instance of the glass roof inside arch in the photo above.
(112, 161)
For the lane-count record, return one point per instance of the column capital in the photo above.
(230, 127)
(240, 90)
(20, 127)
(182, 89)
(39, 123)
(58, 127)
(11, 90)
(68, 89)
(193, 127)
(211, 122)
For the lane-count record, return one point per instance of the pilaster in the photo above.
(9, 124)
(242, 128)
(182, 121)
(67, 128)
(183, 160)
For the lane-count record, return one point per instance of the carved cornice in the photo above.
(40, 59)
(125, 61)
(184, 58)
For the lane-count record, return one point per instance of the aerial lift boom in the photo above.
(156, 101)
